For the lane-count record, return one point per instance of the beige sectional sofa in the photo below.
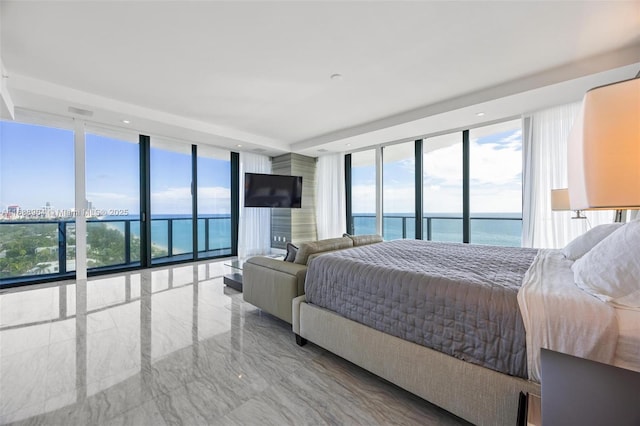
(271, 284)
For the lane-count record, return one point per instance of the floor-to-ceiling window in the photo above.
(113, 199)
(214, 202)
(398, 191)
(36, 201)
(171, 202)
(495, 184)
(39, 205)
(363, 192)
(442, 188)
(491, 159)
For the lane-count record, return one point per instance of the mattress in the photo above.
(459, 299)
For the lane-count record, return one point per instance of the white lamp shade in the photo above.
(560, 199)
(604, 149)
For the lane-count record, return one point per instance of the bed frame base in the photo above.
(300, 341)
(477, 394)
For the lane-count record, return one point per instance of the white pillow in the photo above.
(585, 242)
(611, 270)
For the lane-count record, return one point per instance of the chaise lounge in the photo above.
(272, 284)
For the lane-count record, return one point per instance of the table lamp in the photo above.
(560, 202)
(604, 149)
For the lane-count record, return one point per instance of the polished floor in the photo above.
(174, 346)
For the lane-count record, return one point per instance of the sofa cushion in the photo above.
(362, 240)
(307, 249)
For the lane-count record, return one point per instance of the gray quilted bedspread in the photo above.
(459, 299)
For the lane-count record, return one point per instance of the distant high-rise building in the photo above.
(48, 210)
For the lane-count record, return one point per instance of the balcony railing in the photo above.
(46, 248)
(485, 229)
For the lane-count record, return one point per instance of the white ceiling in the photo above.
(256, 74)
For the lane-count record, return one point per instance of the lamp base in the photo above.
(579, 215)
(619, 216)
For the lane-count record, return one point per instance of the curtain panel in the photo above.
(254, 231)
(330, 196)
(545, 168)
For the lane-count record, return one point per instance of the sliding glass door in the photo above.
(171, 202)
(37, 201)
(113, 199)
(495, 184)
(214, 202)
(363, 192)
(398, 191)
(442, 188)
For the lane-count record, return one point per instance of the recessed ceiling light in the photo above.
(480, 114)
(348, 144)
(126, 121)
(336, 76)
(239, 146)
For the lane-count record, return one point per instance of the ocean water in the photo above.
(181, 231)
(503, 229)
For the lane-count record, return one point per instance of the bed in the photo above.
(459, 325)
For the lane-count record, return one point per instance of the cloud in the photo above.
(114, 200)
(495, 175)
(177, 200)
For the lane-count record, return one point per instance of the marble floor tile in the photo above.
(175, 346)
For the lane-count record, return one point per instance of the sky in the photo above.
(37, 166)
(495, 178)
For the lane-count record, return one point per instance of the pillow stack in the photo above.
(609, 268)
(585, 242)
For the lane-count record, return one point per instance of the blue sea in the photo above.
(181, 231)
(502, 229)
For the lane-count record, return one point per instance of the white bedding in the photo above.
(627, 353)
(558, 315)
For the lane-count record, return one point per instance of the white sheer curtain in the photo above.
(545, 168)
(330, 196)
(254, 233)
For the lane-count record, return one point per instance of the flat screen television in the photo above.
(262, 190)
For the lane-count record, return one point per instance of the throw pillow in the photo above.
(292, 251)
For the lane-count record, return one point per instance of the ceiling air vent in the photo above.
(323, 150)
(258, 150)
(80, 111)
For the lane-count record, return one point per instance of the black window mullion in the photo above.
(145, 201)
(466, 220)
(347, 191)
(419, 189)
(235, 201)
(194, 199)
